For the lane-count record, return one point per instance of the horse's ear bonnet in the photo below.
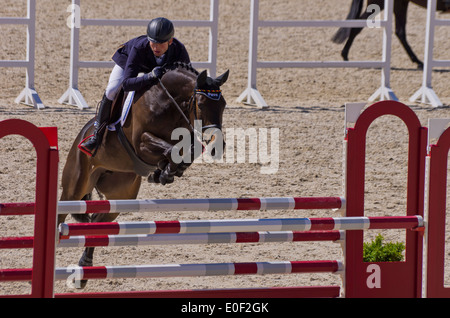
(219, 81)
(202, 79)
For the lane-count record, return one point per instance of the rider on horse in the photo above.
(144, 54)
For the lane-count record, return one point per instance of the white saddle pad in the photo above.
(125, 111)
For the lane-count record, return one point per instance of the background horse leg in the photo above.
(115, 186)
(355, 31)
(401, 11)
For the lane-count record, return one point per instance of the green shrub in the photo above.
(376, 251)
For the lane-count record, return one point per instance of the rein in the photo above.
(176, 104)
(211, 94)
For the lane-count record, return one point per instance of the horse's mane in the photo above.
(180, 65)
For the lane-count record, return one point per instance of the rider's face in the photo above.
(160, 48)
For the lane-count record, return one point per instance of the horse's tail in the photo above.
(343, 33)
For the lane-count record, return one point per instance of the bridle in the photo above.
(211, 94)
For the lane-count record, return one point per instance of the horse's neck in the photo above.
(178, 85)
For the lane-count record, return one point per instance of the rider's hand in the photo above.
(158, 72)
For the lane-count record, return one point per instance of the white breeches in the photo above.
(115, 79)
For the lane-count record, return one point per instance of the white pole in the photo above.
(73, 96)
(213, 37)
(426, 92)
(385, 92)
(29, 96)
(251, 94)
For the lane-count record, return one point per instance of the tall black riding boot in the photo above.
(91, 144)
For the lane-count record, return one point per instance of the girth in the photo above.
(140, 167)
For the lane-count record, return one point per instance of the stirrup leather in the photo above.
(87, 151)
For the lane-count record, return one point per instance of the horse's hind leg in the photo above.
(78, 180)
(78, 177)
(355, 31)
(401, 10)
(115, 186)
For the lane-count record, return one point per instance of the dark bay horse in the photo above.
(148, 129)
(400, 12)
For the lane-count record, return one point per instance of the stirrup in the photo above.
(85, 150)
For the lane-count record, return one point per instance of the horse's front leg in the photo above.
(153, 149)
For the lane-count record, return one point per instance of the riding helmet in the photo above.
(160, 30)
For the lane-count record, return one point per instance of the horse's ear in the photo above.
(222, 78)
(201, 78)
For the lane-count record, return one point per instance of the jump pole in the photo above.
(247, 225)
(182, 270)
(177, 239)
(217, 204)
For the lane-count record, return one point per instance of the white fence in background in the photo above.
(252, 96)
(426, 93)
(73, 96)
(28, 96)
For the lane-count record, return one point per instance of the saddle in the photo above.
(121, 108)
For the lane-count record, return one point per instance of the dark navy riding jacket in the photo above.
(136, 56)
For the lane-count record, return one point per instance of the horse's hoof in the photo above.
(181, 169)
(80, 284)
(179, 173)
(76, 284)
(84, 261)
(166, 178)
(154, 177)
